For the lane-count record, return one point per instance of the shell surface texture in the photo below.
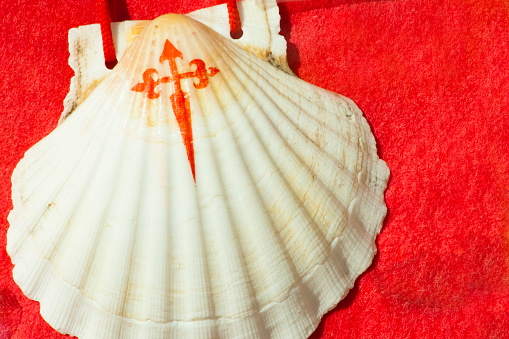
(198, 192)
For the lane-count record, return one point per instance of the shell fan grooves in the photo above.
(198, 192)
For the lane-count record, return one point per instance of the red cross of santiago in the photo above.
(179, 99)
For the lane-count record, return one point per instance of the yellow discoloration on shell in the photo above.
(134, 31)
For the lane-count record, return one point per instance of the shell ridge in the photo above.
(238, 245)
(16, 256)
(308, 276)
(270, 79)
(366, 131)
(135, 241)
(371, 143)
(269, 96)
(65, 232)
(140, 149)
(167, 114)
(99, 309)
(259, 319)
(28, 173)
(233, 134)
(90, 263)
(263, 110)
(377, 183)
(359, 230)
(285, 185)
(291, 191)
(251, 180)
(289, 148)
(115, 308)
(48, 309)
(93, 259)
(100, 153)
(272, 227)
(206, 248)
(349, 277)
(206, 258)
(298, 130)
(121, 153)
(174, 277)
(132, 320)
(131, 59)
(46, 147)
(86, 277)
(58, 189)
(201, 261)
(349, 285)
(169, 224)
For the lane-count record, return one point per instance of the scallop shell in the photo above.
(260, 24)
(198, 192)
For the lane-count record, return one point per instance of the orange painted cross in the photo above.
(179, 99)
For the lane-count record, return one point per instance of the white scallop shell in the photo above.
(113, 235)
(260, 24)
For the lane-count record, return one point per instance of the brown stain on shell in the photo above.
(85, 92)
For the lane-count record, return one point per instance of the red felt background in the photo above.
(432, 79)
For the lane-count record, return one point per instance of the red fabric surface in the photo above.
(432, 80)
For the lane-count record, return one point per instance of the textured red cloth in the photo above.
(432, 79)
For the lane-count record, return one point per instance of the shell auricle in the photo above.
(200, 190)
